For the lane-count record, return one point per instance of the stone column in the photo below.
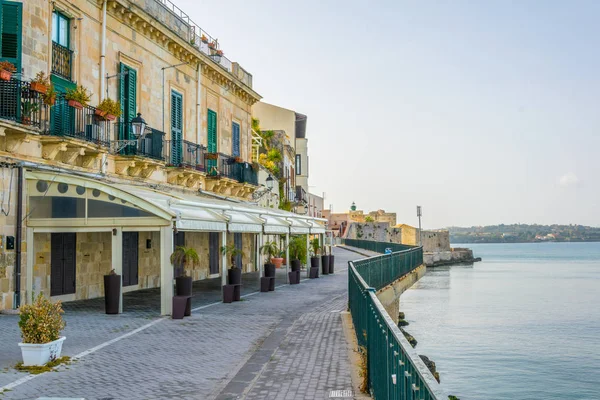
(166, 270)
(117, 259)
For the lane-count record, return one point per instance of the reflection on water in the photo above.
(521, 324)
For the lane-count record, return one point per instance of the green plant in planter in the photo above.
(41, 322)
(185, 256)
(270, 250)
(28, 107)
(315, 248)
(231, 251)
(111, 107)
(80, 94)
(297, 248)
(49, 97)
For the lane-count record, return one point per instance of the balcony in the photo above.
(138, 157)
(20, 104)
(62, 61)
(245, 173)
(185, 154)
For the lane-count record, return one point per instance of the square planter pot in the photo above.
(331, 263)
(5, 75)
(183, 286)
(39, 87)
(325, 265)
(75, 104)
(296, 265)
(234, 276)
(112, 293)
(40, 354)
(269, 270)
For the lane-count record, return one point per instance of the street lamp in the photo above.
(138, 126)
(419, 213)
(270, 183)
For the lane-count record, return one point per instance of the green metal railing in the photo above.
(378, 247)
(395, 371)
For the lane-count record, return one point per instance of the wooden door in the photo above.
(130, 258)
(62, 263)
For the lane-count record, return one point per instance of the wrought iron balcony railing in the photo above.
(151, 145)
(245, 173)
(82, 123)
(21, 104)
(185, 154)
(62, 61)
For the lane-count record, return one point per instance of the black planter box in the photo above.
(294, 277)
(314, 262)
(313, 273)
(325, 264)
(296, 265)
(183, 286)
(228, 293)
(112, 293)
(265, 282)
(269, 270)
(234, 276)
(331, 263)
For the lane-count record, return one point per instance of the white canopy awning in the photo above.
(244, 222)
(275, 225)
(299, 227)
(316, 228)
(199, 219)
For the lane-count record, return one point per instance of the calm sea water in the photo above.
(522, 324)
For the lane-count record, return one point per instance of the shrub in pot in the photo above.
(41, 323)
(40, 83)
(181, 258)
(49, 97)
(270, 250)
(6, 70)
(234, 276)
(78, 97)
(112, 292)
(109, 109)
(297, 249)
(28, 108)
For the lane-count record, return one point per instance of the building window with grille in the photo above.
(62, 56)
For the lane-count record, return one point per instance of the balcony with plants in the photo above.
(185, 163)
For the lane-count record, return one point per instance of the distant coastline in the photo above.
(463, 240)
(524, 233)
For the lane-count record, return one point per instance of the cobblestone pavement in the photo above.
(285, 344)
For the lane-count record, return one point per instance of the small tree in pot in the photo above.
(297, 252)
(41, 323)
(270, 250)
(315, 248)
(235, 273)
(324, 261)
(181, 258)
(112, 292)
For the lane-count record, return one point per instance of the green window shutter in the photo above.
(122, 97)
(176, 128)
(131, 94)
(11, 14)
(212, 131)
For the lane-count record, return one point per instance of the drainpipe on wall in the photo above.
(103, 81)
(18, 238)
(199, 105)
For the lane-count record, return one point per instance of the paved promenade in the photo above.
(286, 344)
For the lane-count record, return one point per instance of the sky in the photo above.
(482, 112)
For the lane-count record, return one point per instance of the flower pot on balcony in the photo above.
(110, 117)
(40, 354)
(39, 87)
(211, 156)
(112, 293)
(296, 265)
(5, 75)
(269, 270)
(26, 120)
(277, 261)
(325, 265)
(75, 104)
(183, 286)
(234, 276)
(212, 45)
(99, 113)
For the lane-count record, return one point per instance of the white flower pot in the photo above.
(40, 354)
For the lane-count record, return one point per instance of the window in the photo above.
(10, 32)
(298, 164)
(176, 128)
(60, 29)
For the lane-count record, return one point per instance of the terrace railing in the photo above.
(20, 104)
(184, 154)
(81, 124)
(395, 371)
(244, 173)
(151, 145)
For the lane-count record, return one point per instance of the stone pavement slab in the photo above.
(282, 344)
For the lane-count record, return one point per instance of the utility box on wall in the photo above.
(10, 243)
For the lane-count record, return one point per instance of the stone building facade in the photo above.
(109, 194)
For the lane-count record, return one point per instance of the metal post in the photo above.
(419, 215)
(166, 270)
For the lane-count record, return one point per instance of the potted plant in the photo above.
(234, 273)
(314, 259)
(49, 97)
(112, 292)
(181, 258)
(40, 83)
(41, 323)
(211, 156)
(220, 53)
(78, 97)
(297, 249)
(238, 160)
(204, 38)
(212, 45)
(28, 107)
(270, 250)
(109, 109)
(6, 70)
(324, 261)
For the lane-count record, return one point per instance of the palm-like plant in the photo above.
(232, 252)
(315, 247)
(297, 248)
(270, 249)
(185, 256)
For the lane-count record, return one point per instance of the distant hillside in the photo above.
(523, 233)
